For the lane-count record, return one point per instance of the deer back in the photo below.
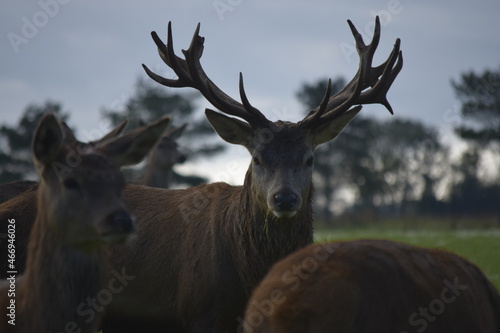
(373, 286)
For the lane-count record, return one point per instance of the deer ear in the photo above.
(69, 136)
(230, 129)
(112, 134)
(47, 140)
(133, 146)
(328, 131)
(175, 133)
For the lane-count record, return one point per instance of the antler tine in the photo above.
(366, 52)
(168, 56)
(346, 105)
(341, 106)
(378, 93)
(257, 116)
(178, 64)
(190, 73)
(212, 93)
(315, 115)
(379, 79)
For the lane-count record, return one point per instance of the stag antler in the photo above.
(379, 78)
(191, 74)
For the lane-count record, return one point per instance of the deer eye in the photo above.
(256, 161)
(71, 184)
(310, 161)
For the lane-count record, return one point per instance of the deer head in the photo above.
(282, 152)
(81, 184)
(166, 152)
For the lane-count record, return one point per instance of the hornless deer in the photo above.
(199, 252)
(162, 158)
(81, 209)
(17, 206)
(14, 188)
(373, 286)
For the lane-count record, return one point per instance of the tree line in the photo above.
(396, 168)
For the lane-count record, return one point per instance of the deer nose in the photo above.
(285, 201)
(124, 221)
(119, 226)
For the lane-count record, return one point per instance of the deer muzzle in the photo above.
(285, 203)
(118, 227)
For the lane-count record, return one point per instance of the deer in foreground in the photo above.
(214, 243)
(199, 252)
(373, 286)
(159, 166)
(162, 158)
(16, 205)
(80, 210)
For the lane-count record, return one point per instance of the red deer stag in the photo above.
(199, 252)
(162, 158)
(373, 286)
(80, 192)
(212, 244)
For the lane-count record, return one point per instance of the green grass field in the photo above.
(481, 247)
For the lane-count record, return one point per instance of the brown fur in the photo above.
(198, 260)
(12, 189)
(199, 252)
(373, 286)
(161, 160)
(21, 209)
(82, 210)
(21, 205)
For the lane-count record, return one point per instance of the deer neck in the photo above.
(267, 238)
(57, 274)
(157, 177)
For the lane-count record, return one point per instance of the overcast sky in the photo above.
(88, 54)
